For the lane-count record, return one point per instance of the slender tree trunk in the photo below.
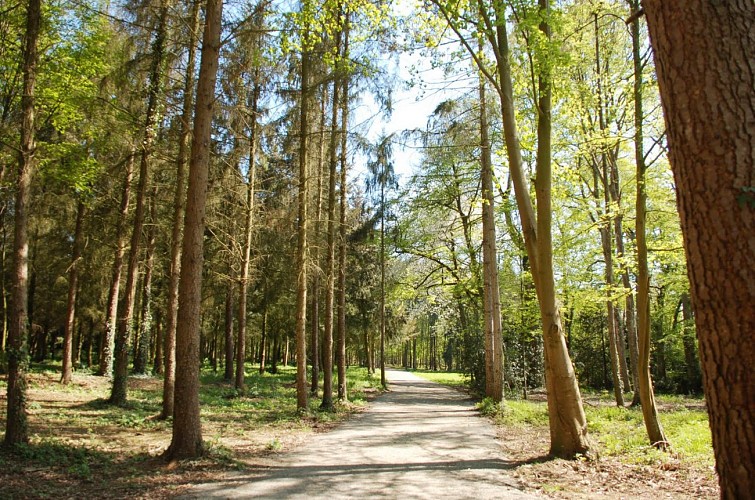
(705, 60)
(383, 381)
(263, 342)
(179, 198)
(315, 304)
(647, 397)
(141, 360)
(248, 231)
(187, 429)
(302, 249)
(491, 298)
(327, 343)
(568, 425)
(229, 344)
(73, 283)
(158, 367)
(107, 345)
(124, 325)
(694, 382)
(16, 429)
(341, 312)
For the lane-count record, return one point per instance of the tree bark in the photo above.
(228, 337)
(302, 247)
(16, 428)
(187, 428)
(491, 298)
(176, 240)
(705, 60)
(141, 359)
(341, 312)
(73, 283)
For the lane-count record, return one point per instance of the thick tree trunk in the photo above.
(176, 240)
(16, 429)
(73, 283)
(490, 296)
(705, 60)
(187, 428)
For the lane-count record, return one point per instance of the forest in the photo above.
(227, 190)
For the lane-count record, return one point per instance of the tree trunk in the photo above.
(491, 297)
(647, 397)
(248, 231)
(705, 59)
(302, 247)
(141, 359)
(327, 342)
(263, 342)
(73, 283)
(16, 428)
(341, 312)
(315, 304)
(187, 429)
(228, 374)
(176, 240)
(568, 425)
(694, 382)
(124, 324)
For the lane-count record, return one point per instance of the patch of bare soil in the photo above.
(601, 477)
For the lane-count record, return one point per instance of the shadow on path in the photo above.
(420, 440)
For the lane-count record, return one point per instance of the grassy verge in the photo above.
(79, 441)
(452, 379)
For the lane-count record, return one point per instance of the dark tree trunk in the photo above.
(705, 60)
(229, 344)
(73, 283)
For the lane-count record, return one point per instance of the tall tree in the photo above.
(568, 425)
(647, 397)
(490, 291)
(16, 429)
(187, 428)
(179, 198)
(124, 324)
(302, 246)
(73, 284)
(705, 61)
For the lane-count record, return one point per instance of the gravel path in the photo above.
(420, 440)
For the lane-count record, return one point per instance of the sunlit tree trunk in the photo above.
(705, 60)
(491, 298)
(16, 428)
(187, 429)
(647, 397)
(341, 313)
(179, 198)
(146, 323)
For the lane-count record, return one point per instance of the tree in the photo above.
(73, 284)
(187, 428)
(705, 61)
(568, 425)
(647, 397)
(179, 198)
(16, 430)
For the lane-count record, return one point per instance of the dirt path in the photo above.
(420, 440)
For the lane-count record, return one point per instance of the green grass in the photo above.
(452, 379)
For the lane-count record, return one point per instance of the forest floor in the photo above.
(84, 448)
